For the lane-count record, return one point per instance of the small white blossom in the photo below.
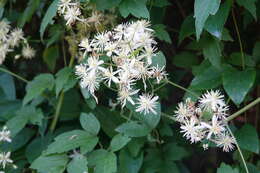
(5, 135)
(72, 15)
(109, 76)
(28, 52)
(225, 141)
(94, 64)
(192, 131)
(15, 37)
(5, 159)
(216, 127)
(212, 100)
(125, 95)
(65, 5)
(147, 103)
(84, 44)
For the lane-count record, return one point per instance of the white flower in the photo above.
(100, 41)
(159, 73)
(84, 44)
(4, 29)
(4, 49)
(64, 5)
(5, 135)
(15, 37)
(205, 146)
(212, 100)
(147, 103)
(81, 70)
(125, 95)
(28, 52)
(191, 130)
(72, 14)
(94, 64)
(5, 159)
(109, 76)
(225, 141)
(182, 112)
(214, 128)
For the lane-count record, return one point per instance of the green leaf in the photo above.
(64, 80)
(89, 123)
(173, 152)
(135, 7)
(238, 83)
(236, 59)
(215, 24)
(187, 28)
(70, 140)
(247, 138)
(256, 52)
(209, 78)
(118, 142)
(161, 3)
(133, 129)
(37, 86)
(51, 164)
(226, 169)
(185, 60)
(249, 5)
(50, 55)
(161, 33)
(202, 10)
(212, 52)
(129, 164)
(106, 4)
(32, 6)
(79, 164)
(159, 59)
(47, 19)
(7, 84)
(104, 161)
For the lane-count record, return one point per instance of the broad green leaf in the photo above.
(209, 78)
(47, 19)
(202, 10)
(70, 140)
(104, 161)
(247, 138)
(215, 24)
(50, 55)
(7, 84)
(37, 86)
(185, 59)
(85, 93)
(89, 123)
(212, 52)
(79, 164)
(135, 7)
(17, 123)
(35, 148)
(20, 140)
(187, 28)
(129, 164)
(161, 33)
(64, 80)
(108, 119)
(133, 129)
(249, 5)
(226, 169)
(238, 83)
(118, 142)
(106, 4)
(32, 6)
(159, 59)
(55, 33)
(161, 3)
(8, 109)
(51, 164)
(174, 152)
(235, 59)
(135, 146)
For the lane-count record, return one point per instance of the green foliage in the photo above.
(226, 169)
(135, 7)
(89, 123)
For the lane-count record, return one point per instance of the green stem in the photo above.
(182, 88)
(13, 74)
(239, 39)
(57, 112)
(239, 150)
(231, 117)
(60, 101)
(168, 116)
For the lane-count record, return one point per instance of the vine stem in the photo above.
(238, 148)
(255, 102)
(60, 101)
(182, 88)
(13, 74)
(239, 39)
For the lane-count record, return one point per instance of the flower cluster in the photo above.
(5, 156)
(9, 39)
(205, 120)
(131, 49)
(70, 10)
